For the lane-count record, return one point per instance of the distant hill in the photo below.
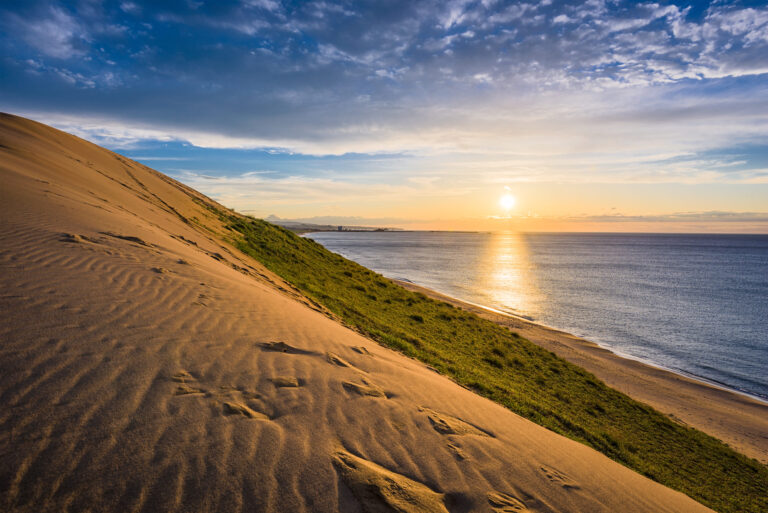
(303, 226)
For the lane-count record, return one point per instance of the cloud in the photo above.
(55, 34)
(613, 91)
(257, 188)
(696, 217)
(130, 7)
(268, 5)
(264, 191)
(350, 220)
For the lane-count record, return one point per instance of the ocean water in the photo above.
(695, 304)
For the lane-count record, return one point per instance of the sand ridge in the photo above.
(129, 389)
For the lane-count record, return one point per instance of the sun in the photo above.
(507, 202)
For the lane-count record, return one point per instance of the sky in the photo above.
(603, 115)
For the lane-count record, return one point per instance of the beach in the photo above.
(738, 419)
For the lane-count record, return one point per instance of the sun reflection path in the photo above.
(509, 281)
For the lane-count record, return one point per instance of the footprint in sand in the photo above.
(75, 238)
(281, 347)
(201, 300)
(239, 401)
(361, 350)
(559, 478)
(504, 503)
(366, 388)
(234, 400)
(380, 490)
(448, 425)
(236, 408)
(129, 238)
(457, 452)
(183, 377)
(286, 382)
(341, 362)
(188, 390)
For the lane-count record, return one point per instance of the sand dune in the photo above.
(148, 366)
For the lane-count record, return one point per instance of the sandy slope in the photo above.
(145, 367)
(737, 419)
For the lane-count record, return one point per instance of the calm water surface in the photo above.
(697, 304)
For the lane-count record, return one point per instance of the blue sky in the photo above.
(413, 111)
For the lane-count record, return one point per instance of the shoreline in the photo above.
(702, 379)
(738, 419)
(521, 318)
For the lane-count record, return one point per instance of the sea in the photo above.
(694, 304)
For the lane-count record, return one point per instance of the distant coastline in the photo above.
(303, 227)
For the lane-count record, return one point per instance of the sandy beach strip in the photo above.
(739, 420)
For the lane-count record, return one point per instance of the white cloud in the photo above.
(130, 7)
(58, 35)
(511, 13)
(268, 5)
(483, 78)
(79, 80)
(454, 13)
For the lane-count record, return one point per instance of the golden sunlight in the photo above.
(507, 202)
(511, 284)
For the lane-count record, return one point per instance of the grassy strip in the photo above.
(510, 370)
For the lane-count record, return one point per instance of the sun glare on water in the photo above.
(507, 202)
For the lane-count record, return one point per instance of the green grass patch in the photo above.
(510, 370)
